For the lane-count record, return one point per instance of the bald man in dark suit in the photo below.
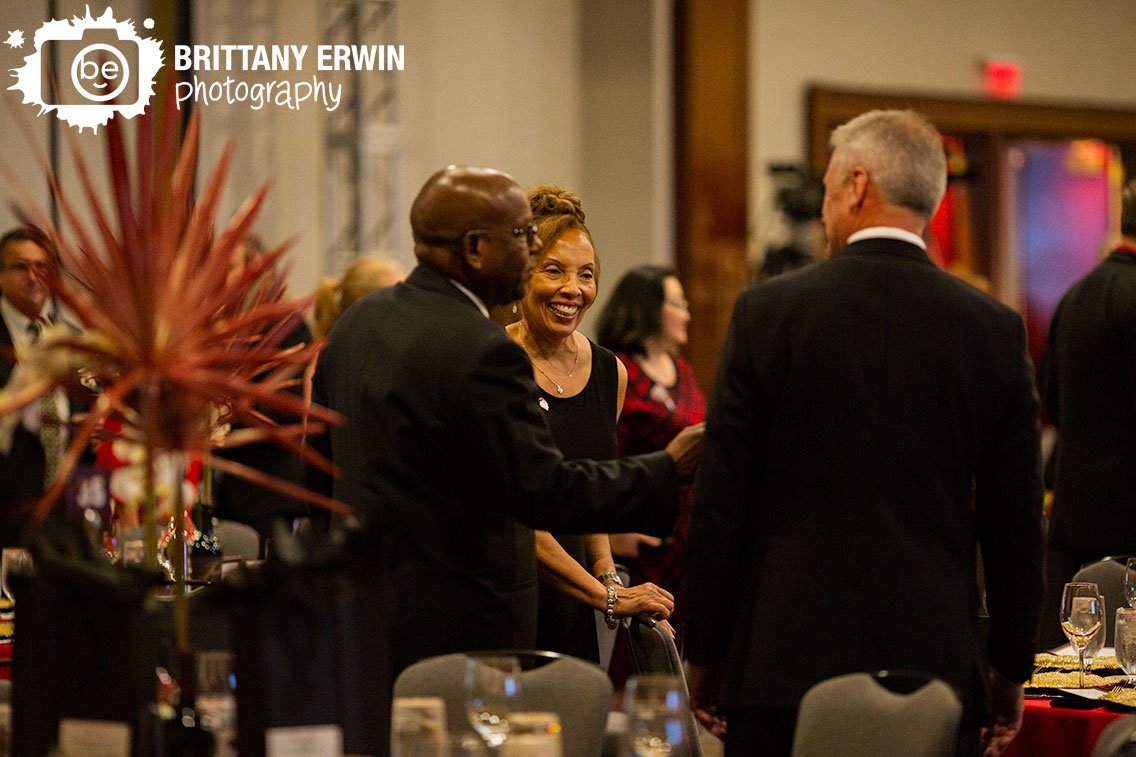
(446, 457)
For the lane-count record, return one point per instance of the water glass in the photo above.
(1130, 581)
(418, 727)
(658, 712)
(1124, 639)
(492, 693)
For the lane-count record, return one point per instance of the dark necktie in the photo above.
(50, 428)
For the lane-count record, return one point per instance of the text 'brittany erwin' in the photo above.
(288, 57)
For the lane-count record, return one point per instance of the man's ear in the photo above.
(471, 251)
(858, 183)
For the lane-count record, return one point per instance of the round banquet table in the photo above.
(1049, 731)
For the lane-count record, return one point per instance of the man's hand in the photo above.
(686, 448)
(1007, 706)
(627, 545)
(702, 681)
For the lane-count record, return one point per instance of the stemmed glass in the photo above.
(1093, 648)
(1130, 581)
(1082, 617)
(492, 691)
(1124, 639)
(657, 709)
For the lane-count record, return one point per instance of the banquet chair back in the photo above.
(866, 715)
(605, 637)
(238, 539)
(1108, 575)
(578, 692)
(1118, 739)
(653, 650)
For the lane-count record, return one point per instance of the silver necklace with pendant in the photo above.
(559, 388)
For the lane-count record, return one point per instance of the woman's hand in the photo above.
(643, 598)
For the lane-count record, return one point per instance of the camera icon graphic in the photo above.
(97, 69)
(89, 70)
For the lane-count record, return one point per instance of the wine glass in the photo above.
(1081, 618)
(217, 700)
(657, 709)
(1130, 581)
(1093, 648)
(12, 559)
(1124, 639)
(492, 691)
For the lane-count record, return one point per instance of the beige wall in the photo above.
(578, 93)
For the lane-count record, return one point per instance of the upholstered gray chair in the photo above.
(1118, 739)
(237, 539)
(855, 715)
(653, 650)
(1108, 575)
(577, 691)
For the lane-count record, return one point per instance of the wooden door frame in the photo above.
(993, 123)
(1017, 119)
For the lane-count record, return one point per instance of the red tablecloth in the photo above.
(1049, 731)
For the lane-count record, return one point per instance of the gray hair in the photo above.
(902, 153)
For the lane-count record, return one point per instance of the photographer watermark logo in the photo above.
(89, 69)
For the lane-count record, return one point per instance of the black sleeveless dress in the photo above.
(584, 427)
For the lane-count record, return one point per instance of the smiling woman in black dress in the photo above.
(582, 387)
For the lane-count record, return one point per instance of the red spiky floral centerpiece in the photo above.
(178, 345)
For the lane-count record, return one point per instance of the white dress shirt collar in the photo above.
(888, 232)
(476, 300)
(17, 322)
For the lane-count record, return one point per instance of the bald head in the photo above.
(465, 221)
(459, 198)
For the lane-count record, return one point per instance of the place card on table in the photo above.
(304, 741)
(94, 738)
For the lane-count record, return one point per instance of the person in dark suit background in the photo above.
(1088, 380)
(27, 268)
(446, 458)
(873, 419)
(241, 500)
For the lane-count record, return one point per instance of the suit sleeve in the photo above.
(1048, 372)
(723, 498)
(514, 456)
(1008, 496)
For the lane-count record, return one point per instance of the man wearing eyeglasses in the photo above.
(445, 456)
(26, 308)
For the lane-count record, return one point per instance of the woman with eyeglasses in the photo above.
(582, 387)
(645, 323)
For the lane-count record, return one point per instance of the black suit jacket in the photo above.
(1089, 387)
(22, 469)
(448, 462)
(241, 500)
(873, 418)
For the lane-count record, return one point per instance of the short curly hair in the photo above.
(557, 210)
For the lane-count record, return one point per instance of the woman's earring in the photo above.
(514, 308)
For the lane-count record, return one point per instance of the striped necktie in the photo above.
(50, 428)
